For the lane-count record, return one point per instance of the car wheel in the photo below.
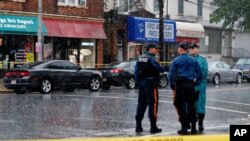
(239, 78)
(21, 90)
(106, 86)
(45, 86)
(216, 79)
(131, 83)
(95, 84)
(248, 80)
(163, 82)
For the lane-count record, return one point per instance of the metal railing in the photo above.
(235, 52)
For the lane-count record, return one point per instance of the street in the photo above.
(110, 113)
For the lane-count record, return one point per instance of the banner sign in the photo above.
(147, 30)
(13, 24)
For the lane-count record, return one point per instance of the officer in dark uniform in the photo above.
(184, 75)
(147, 72)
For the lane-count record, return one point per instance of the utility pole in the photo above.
(161, 38)
(39, 45)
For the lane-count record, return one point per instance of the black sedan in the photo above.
(45, 76)
(122, 74)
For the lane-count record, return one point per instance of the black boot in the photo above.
(183, 130)
(138, 128)
(193, 128)
(154, 129)
(200, 122)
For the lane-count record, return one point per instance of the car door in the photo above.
(57, 74)
(229, 74)
(74, 74)
(221, 71)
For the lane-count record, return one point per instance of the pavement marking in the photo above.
(245, 104)
(229, 89)
(228, 110)
(171, 102)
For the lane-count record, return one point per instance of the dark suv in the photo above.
(244, 65)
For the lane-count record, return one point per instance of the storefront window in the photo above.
(14, 50)
(78, 51)
(87, 53)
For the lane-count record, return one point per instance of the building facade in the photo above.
(217, 43)
(72, 30)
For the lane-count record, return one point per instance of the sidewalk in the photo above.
(2, 88)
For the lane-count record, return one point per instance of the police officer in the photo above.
(201, 89)
(184, 75)
(147, 72)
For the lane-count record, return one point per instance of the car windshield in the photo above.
(244, 61)
(210, 64)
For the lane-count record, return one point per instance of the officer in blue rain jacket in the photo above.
(184, 75)
(147, 72)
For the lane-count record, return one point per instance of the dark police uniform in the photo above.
(184, 75)
(147, 71)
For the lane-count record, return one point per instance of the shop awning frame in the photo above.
(74, 28)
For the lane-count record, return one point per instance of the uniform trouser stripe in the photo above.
(155, 102)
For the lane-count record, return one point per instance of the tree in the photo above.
(233, 13)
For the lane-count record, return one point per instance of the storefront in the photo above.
(186, 32)
(79, 41)
(146, 30)
(18, 35)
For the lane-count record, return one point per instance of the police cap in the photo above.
(194, 45)
(152, 46)
(184, 45)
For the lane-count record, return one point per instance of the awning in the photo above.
(192, 30)
(22, 25)
(74, 28)
(187, 39)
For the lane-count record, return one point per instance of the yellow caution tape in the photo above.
(153, 138)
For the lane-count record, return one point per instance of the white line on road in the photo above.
(228, 110)
(170, 102)
(245, 104)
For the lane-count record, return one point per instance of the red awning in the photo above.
(186, 39)
(74, 28)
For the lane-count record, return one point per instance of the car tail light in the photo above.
(24, 73)
(116, 70)
(17, 73)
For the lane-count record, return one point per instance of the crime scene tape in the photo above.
(224, 137)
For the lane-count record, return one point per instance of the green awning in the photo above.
(22, 25)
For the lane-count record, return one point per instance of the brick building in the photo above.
(72, 29)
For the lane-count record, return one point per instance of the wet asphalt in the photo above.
(110, 113)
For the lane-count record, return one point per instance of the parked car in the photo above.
(122, 74)
(46, 76)
(244, 65)
(221, 72)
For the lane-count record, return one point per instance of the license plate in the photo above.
(104, 79)
(13, 82)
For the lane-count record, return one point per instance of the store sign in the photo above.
(146, 29)
(30, 57)
(19, 24)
